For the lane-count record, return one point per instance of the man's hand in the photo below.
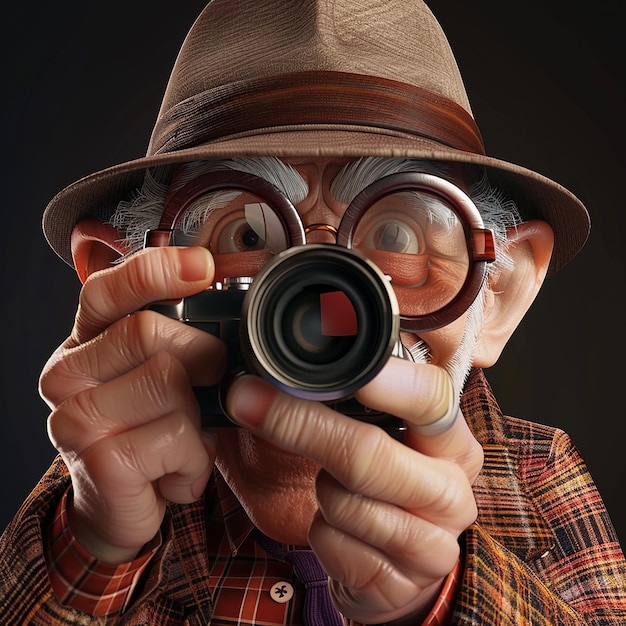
(124, 417)
(390, 513)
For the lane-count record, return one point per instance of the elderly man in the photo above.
(325, 149)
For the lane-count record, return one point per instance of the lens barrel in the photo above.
(319, 321)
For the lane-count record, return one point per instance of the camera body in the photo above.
(318, 321)
(216, 311)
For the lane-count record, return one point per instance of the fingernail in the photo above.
(248, 400)
(195, 264)
(449, 406)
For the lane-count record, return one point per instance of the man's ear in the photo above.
(510, 293)
(95, 246)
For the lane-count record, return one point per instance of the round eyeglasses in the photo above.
(422, 231)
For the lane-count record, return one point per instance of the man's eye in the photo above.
(259, 228)
(239, 236)
(232, 221)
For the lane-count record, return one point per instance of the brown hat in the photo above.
(317, 78)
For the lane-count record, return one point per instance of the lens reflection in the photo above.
(318, 326)
(418, 240)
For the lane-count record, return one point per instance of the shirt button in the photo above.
(281, 592)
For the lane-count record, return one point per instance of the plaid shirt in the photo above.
(542, 552)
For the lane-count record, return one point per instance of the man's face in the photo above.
(261, 475)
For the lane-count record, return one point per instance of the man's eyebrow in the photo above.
(273, 170)
(354, 177)
(339, 184)
(291, 183)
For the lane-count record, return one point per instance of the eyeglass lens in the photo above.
(240, 228)
(417, 239)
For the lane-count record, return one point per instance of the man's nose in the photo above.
(320, 233)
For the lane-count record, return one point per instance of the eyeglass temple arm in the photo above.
(482, 245)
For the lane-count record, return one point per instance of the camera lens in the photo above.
(319, 322)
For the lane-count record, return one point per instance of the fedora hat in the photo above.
(341, 78)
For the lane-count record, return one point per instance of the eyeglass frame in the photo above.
(479, 240)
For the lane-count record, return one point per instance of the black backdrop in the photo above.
(81, 85)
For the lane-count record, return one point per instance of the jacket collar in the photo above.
(506, 508)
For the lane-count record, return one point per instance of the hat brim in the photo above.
(97, 195)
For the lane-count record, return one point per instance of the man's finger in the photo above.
(156, 388)
(411, 542)
(127, 344)
(424, 397)
(149, 276)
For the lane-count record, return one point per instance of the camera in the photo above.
(318, 321)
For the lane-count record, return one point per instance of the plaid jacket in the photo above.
(543, 550)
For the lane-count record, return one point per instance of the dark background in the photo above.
(81, 85)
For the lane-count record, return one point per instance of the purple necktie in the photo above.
(318, 607)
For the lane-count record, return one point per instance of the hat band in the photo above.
(320, 98)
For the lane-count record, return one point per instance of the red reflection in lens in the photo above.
(338, 315)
